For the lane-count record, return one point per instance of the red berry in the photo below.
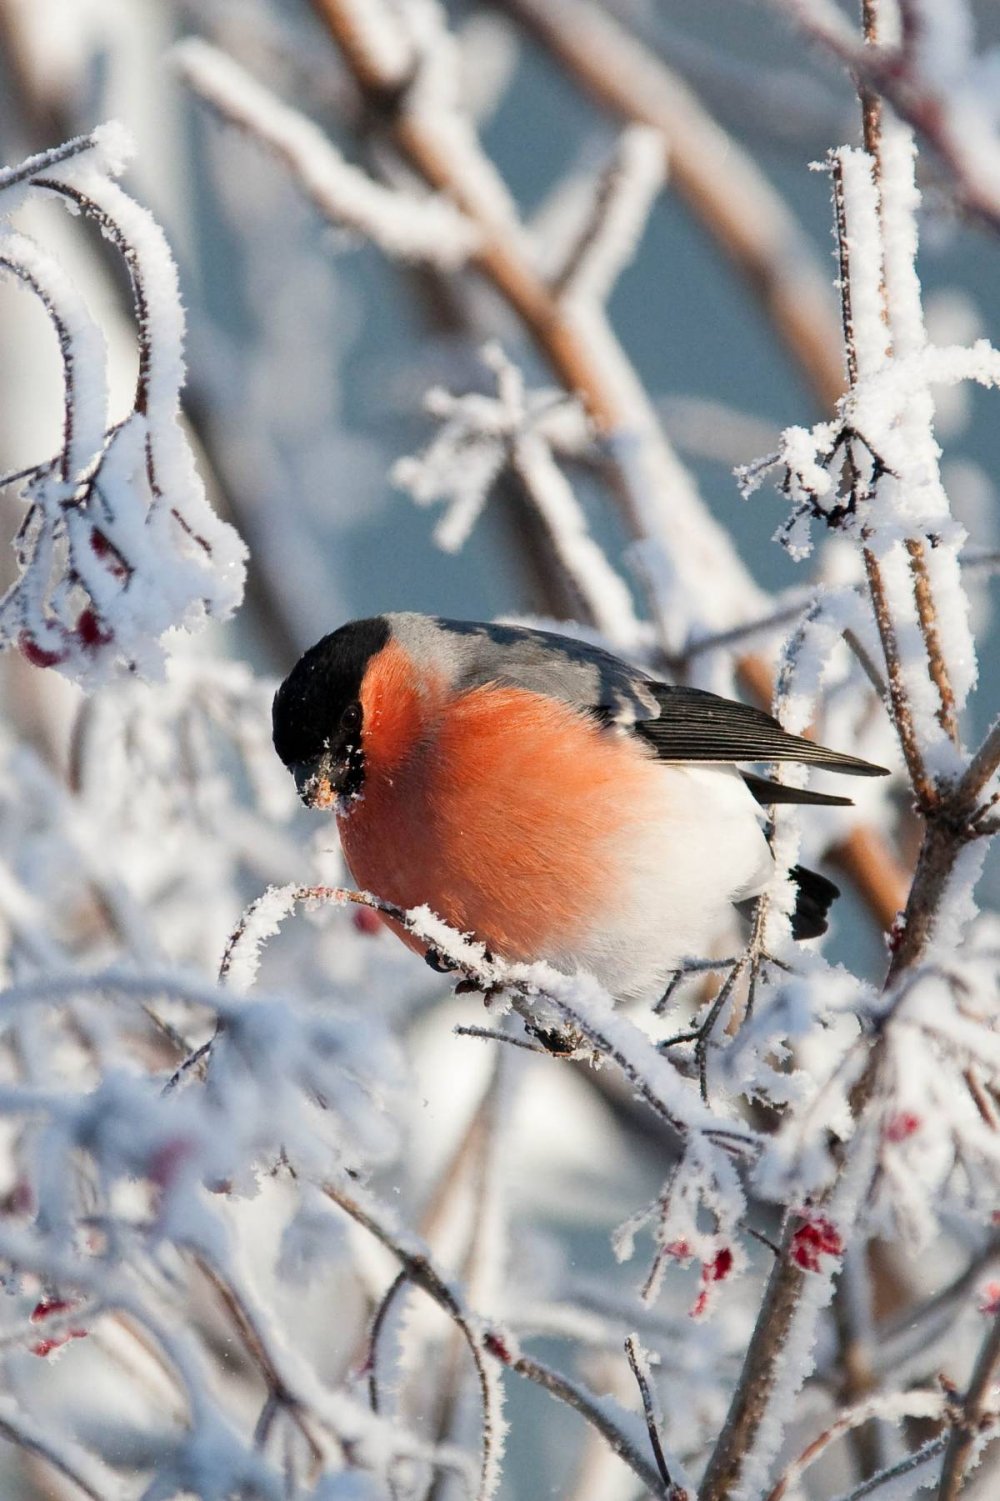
(366, 920)
(899, 1127)
(497, 1346)
(718, 1269)
(815, 1238)
(90, 631)
(38, 656)
(46, 1308)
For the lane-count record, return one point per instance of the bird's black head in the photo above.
(317, 714)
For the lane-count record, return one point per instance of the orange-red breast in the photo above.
(540, 794)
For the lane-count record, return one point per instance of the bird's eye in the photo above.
(350, 720)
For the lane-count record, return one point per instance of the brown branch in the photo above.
(973, 1414)
(721, 185)
(927, 615)
(889, 72)
(70, 1467)
(481, 1341)
(845, 1423)
(753, 1392)
(943, 840)
(902, 718)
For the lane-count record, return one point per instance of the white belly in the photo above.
(700, 849)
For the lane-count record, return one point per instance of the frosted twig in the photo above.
(973, 1415)
(428, 229)
(639, 1365)
(80, 348)
(927, 615)
(258, 1347)
(721, 185)
(107, 563)
(889, 1406)
(480, 436)
(595, 1411)
(935, 105)
(899, 702)
(422, 1273)
(622, 201)
(482, 1339)
(490, 1034)
(61, 1453)
(45, 161)
(915, 1461)
(397, 1286)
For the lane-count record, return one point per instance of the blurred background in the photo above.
(310, 353)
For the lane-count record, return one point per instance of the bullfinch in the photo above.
(541, 795)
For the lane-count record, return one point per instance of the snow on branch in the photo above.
(478, 438)
(118, 544)
(403, 224)
(873, 473)
(622, 198)
(935, 80)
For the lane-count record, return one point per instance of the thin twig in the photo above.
(969, 1425)
(637, 1366)
(927, 615)
(34, 166)
(490, 1034)
(73, 1466)
(906, 1466)
(899, 702)
(721, 185)
(481, 1339)
(395, 1287)
(848, 1421)
(890, 71)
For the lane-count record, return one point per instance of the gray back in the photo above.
(475, 653)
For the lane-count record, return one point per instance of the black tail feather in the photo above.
(813, 901)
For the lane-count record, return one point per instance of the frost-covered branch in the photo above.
(719, 182)
(478, 438)
(931, 74)
(887, 1406)
(485, 1340)
(118, 544)
(621, 202)
(975, 1415)
(872, 474)
(426, 229)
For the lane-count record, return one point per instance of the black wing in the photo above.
(767, 792)
(693, 725)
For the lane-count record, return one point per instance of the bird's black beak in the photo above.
(318, 782)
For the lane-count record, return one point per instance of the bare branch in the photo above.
(402, 224)
(972, 1417)
(61, 1453)
(889, 1405)
(482, 1339)
(721, 185)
